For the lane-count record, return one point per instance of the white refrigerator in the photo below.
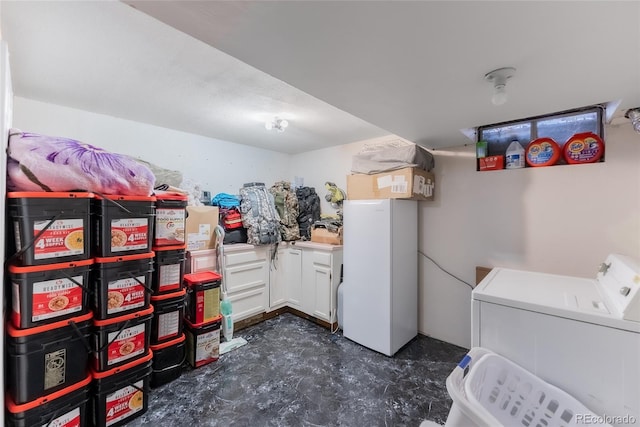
(380, 255)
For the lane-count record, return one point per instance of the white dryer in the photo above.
(581, 335)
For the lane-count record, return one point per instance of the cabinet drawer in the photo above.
(322, 258)
(244, 257)
(201, 260)
(248, 303)
(246, 276)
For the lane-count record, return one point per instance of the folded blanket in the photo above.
(45, 163)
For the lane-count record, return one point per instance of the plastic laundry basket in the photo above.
(489, 390)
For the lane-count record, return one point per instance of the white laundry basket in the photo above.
(489, 390)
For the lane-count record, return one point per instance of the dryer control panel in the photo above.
(619, 277)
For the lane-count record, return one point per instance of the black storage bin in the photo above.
(121, 394)
(67, 407)
(49, 227)
(123, 225)
(171, 215)
(48, 358)
(121, 285)
(44, 294)
(121, 340)
(168, 315)
(168, 269)
(168, 361)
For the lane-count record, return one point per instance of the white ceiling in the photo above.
(411, 68)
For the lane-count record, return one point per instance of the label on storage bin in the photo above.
(168, 324)
(65, 237)
(125, 294)
(15, 301)
(70, 419)
(124, 403)
(207, 347)
(207, 305)
(129, 343)
(169, 277)
(129, 234)
(53, 298)
(54, 368)
(170, 226)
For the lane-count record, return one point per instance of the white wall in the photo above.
(561, 220)
(220, 166)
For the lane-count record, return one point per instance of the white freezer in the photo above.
(380, 295)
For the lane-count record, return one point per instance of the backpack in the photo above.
(259, 215)
(286, 203)
(230, 218)
(309, 210)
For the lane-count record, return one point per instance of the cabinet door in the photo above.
(278, 273)
(293, 281)
(316, 283)
(322, 289)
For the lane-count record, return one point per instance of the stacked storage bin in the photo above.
(202, 317)
(49, 329)
(122, 277)
(168, 299)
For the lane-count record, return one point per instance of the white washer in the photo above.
(581, 335)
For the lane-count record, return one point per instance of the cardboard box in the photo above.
(491, 163)
(407, 183)
(201, 224)
(322, 235)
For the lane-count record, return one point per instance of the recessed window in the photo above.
(583, 126)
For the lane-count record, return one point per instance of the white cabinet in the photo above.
(201, 260)
(294, 278)
(285, 279)
(321, 268)
(246, 275)
(301, 275)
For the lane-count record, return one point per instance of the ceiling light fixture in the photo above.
(499, 79)
(633, 114)
(276, 123)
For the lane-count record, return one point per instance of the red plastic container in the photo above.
(171, 208)
(203, 342)
(121, 394)
(168, 312)
(542, 152)
(203, 296)
(584, 147)
(50, 227)
(122, 339)
(124, 225)
(169, 269)
(64, 408)
(121, 285)
(49, 293)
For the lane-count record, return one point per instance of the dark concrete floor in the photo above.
(293, 372)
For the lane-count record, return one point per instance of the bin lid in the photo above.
(123, 258)
(48, 267)
(171, 195)
(205, 276)
(126, 366)
(50, 195)
(17, 409)
(170, 343)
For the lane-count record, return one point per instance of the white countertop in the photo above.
(235, 247)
